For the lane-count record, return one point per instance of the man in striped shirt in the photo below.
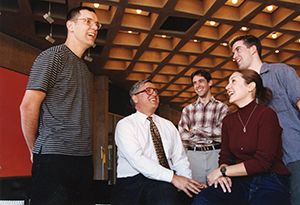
(55, 116)
(200, 127)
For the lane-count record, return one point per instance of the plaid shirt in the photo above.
(201, 124)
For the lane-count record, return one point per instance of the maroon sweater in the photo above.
(260, 147)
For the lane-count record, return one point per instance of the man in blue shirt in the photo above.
(285, 85)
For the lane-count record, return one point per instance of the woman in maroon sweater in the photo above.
(251, 168)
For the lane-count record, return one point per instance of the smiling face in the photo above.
(201, 86)
(239, 92)
(242, 55)
(145, 103)
(84, 33)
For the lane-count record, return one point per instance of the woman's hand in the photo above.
(213, 176)
(225, 183)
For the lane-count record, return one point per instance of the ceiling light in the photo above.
(88, 57)
(49, 37)
(277, 51)
(164, 36)
(195, 40)
(244, 28)
(96, 5)
(270, 8)
(129, 31)
(47, 16)
(234, 1)
(224, 44)
(212, 23)
(274, 35)
(138, 11)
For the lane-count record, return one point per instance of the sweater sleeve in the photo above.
(226, 157)
(269, 136)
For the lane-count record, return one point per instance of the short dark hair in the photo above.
(203, 73)
(263, 94)
(249, 41)
(135, 88)
(75, 11)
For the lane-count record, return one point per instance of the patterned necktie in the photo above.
(158, 144)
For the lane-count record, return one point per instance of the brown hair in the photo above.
(263, 94)
(249, 41)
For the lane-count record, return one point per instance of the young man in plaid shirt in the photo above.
(200, 127)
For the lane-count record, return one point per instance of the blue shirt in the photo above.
(285, 85)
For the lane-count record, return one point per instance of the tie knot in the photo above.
(150, 119)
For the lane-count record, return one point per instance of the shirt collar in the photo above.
(212, 99)
(264, 68)
(143, 118)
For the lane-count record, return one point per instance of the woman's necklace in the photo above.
(244, 129)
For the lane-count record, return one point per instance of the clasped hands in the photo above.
(216, 177)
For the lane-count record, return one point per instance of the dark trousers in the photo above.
(62, 180)
(141, 190)
(261, 189)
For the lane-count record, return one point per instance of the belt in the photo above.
(205, 148)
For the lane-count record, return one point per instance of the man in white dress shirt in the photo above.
(140, 177)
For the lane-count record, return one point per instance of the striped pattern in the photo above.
(64, 126)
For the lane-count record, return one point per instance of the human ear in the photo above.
(134, 99)
(210, 83)
(70, 26)
(251, 86)
(253, 49)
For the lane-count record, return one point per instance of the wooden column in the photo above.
(99, 116)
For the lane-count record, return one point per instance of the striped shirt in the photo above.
(201, 124)
(64, 124)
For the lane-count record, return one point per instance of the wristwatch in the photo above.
(223, 171)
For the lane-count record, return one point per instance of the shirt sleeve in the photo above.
(223, 111)
(44, 71)
(292, 89)
(179, 160)
(269, 136)
(132, 151)
(184, 127)
(226, 157)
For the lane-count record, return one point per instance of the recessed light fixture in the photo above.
(96, 5)
(277, 51)
(164, 36)
(244, 28)
(212, 23)
(195, 40)
(270, 8)
(274, 35)
(234, 1)
(129, 31)
(138, 11)
(224, 44)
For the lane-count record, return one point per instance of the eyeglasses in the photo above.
(149, 91)
(89, 22)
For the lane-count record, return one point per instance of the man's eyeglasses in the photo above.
(89, 22)
(149, 91)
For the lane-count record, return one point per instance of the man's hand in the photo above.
(187, 185)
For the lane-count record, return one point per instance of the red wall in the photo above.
(14, 154)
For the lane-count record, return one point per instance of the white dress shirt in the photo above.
(136, 152)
